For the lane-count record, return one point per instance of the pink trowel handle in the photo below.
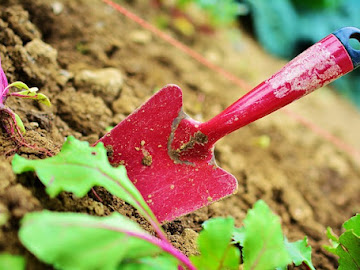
(320, 64)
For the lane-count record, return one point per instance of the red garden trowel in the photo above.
(170, 157)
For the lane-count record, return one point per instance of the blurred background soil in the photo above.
(98, 66)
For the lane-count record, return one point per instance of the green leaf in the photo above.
(13, 262)
(300, 252)
(353, 224)
(215, 247)
(19, 123)
(239, 236)
(31, 94)
(349, 251)
(347, 246)
(334, 240)
(79, 167)
(162, 262)
(264, 246)
(330, 234)
(275, 24)
(79, 241)
(19, 85)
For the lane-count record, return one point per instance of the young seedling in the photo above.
(9, 120)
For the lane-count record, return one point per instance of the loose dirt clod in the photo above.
(147, 159)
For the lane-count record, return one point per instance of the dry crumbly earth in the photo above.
(97, 67)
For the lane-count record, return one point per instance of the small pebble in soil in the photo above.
(57, 7)
(140, 36)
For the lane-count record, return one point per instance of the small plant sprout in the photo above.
(10, 121)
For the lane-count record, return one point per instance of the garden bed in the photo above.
(61, 46)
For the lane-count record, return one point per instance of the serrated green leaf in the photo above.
(330, 234)
(215, 247)
(13, 262)
(353, 224)
(334, 240)
(348, 251)
(79, 167)
(264, 246)
(80, 241)
(300, 252)
(239, 236)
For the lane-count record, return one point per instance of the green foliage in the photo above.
(347, 246)
(13, 262)
(215, 247)
(79, 241)
(300, 252)
(160, 262)
(348, 251)
(264, 245)
(276, 25)
(264, 242)
(78, 168)
(29, 93)
(239, 236)
(19, 123)
(220, 12)
(353, 224)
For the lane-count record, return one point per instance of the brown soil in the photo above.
(306, 180)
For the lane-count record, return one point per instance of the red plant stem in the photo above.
(22, 96)
(167, 247)
(153, 222)
(237, 81)
(96, 195)
(15, 131)
(151, 219)
(306, 266)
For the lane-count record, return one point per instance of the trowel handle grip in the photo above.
(322, 63)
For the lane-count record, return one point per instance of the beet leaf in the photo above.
(80, 241)
(353, 224)
(78, 168)
(300, 252)
(348, 251)
(214, 243)
(263, 246)
(347, 246)
(13, 262)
